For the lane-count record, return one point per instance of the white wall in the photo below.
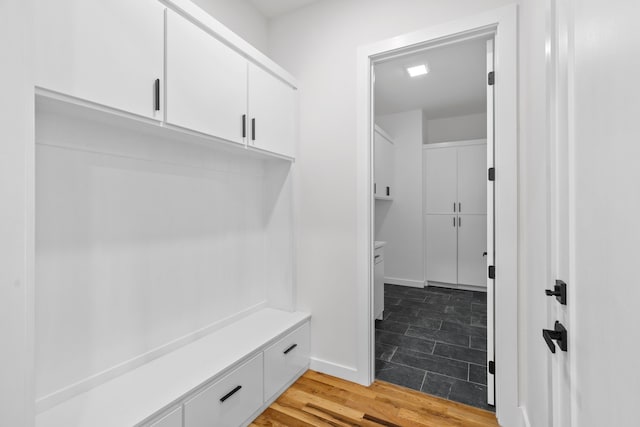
(143, 240)
(241, 17)
(399, 222)
(458, 128)
(16, 230)
(318, 45)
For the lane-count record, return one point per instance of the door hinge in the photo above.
(492, 174)
(491, 78)
(492, 272)
(492, 367)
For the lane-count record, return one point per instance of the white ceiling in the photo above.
(455, 85)
(274, 8)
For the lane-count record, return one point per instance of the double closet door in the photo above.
(455, 188)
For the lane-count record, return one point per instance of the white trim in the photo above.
(449, 144)
(208, 23)
(504, 22)
(404, 282)
(335, 369)
(384, 134)
(46, 402)
(525, 417)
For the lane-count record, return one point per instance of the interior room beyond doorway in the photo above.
(430, 188)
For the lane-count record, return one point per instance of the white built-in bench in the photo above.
(223, 379)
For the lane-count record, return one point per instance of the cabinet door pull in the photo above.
(231, 393)
(459, 222)
(454, 206)
(454, 221)
(253, 129)
(459, 207)
(157, 95)
(292, 347)
(244, 125)
(388, 191)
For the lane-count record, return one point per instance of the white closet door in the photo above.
(440, 174)
(272, 109)
(472, 245)
(441, 248)
(472, 179)
(206, 81)
(107, 52)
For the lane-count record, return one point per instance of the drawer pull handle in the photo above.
(290, 348)
(231, 393)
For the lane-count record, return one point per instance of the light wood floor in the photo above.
(322, 400)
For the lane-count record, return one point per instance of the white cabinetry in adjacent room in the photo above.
(107, 52)
(384, 165)
(441, 248)
(378, 280)
(455, 189)
(272, 106)
(206, 82)
(472, 246)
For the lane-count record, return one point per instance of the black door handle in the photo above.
(253, 129)
(559, 291)
(231, 393)
(156, 95)
(559, 334)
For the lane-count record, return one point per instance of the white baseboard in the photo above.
(404, 282)
(334, 369)
(457, 286)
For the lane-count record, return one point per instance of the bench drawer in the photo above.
(284, 359)
(229, 401)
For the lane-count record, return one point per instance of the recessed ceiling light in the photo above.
(418, 70)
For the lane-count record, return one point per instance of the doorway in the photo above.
(501, 23)
(433, 147)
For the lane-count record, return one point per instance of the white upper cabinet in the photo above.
(272, 107)
(472, 179)
(206, 82)
(440, 173)
(384, 169)
(107, 52)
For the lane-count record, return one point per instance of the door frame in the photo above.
(503, 22)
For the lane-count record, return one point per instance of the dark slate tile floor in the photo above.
(434, 340)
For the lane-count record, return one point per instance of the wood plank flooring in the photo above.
(321, 400)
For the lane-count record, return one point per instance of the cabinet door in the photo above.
(440, 174)
(206, 82)
(272, 110)
(285, 359)
(107, 52)
(173, 419)
(472, 244)
(378, 168)
(472, 179)
(230, 401)
(384, 157)
(378, 285)
(441, 248)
